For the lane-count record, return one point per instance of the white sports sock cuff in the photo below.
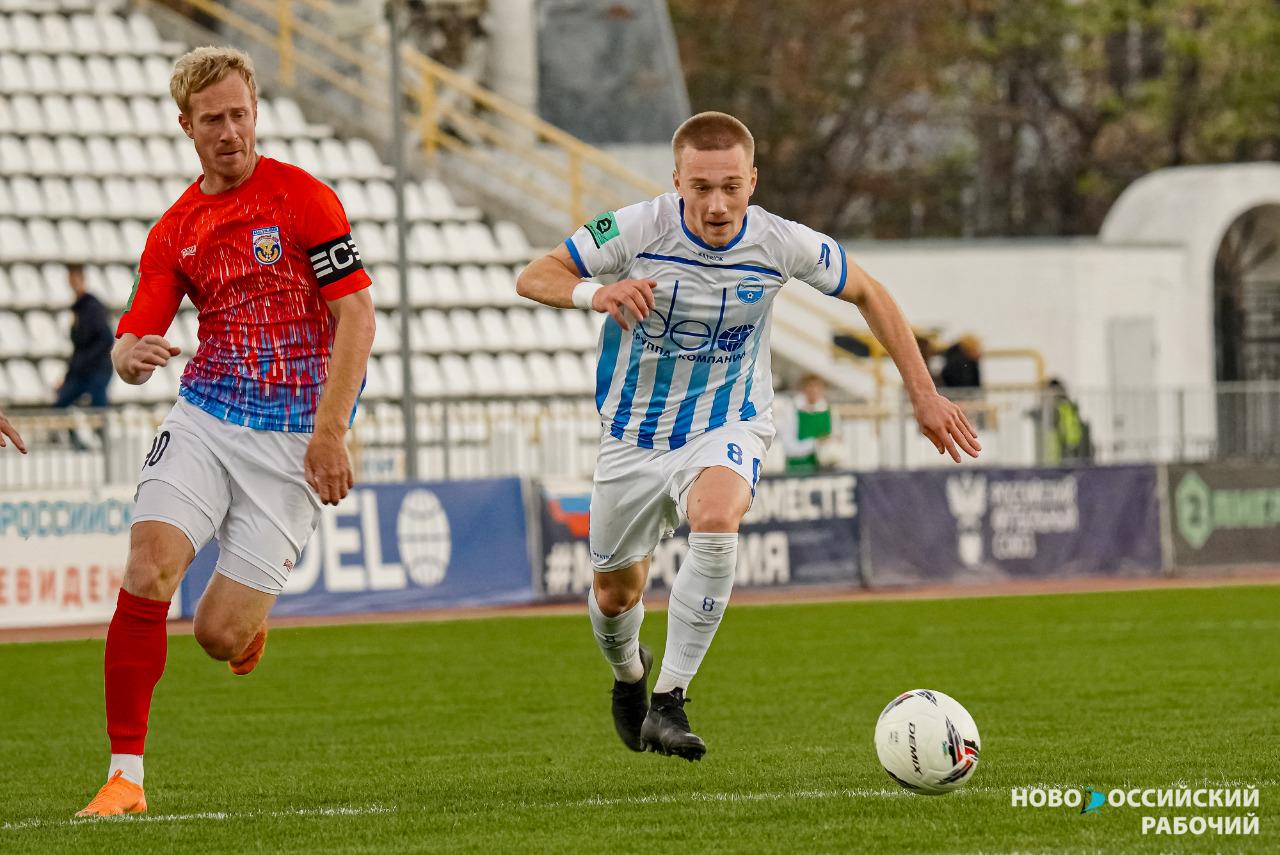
(712, 547)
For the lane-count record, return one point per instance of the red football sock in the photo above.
(137, 643)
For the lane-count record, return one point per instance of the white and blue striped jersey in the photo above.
(701, 358)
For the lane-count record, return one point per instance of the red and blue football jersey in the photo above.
(258, 262)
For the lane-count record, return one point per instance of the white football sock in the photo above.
(698, 599)
(619, 638)
(129, 764)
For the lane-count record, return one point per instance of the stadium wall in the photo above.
(433, 545)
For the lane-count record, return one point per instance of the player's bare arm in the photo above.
(136, 359)
(551, 280)
(328, 467)
(940, 419)
(7, 429)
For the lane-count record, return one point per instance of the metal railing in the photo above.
(449, 111)
(558, 437)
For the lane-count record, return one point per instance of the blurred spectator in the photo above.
(1066, 435)
(7, 429)
(960, 364)
(89, 368)
(804, 425)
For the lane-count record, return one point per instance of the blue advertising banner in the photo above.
(798, 531)
(993, 524)
(405, 546)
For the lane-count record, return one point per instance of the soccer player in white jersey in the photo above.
(684, 389)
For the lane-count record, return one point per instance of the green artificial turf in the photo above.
(495, 736)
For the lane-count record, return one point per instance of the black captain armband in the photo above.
(335, 259)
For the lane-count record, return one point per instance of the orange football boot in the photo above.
(118, 796)
(248, 658)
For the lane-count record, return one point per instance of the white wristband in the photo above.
(584, 292)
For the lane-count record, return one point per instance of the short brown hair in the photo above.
(201, 68)
(712, 131)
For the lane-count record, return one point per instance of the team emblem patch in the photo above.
(266, 245)
(750, 289)
(604, 228)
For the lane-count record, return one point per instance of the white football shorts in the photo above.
(640, 495)
(211, 478)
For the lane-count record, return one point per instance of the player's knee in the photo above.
(615, 600)
(152, 572)
(715, 518)
(220, 641)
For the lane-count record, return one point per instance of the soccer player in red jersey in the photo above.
(254, 444)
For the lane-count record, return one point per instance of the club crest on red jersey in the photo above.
(266, 245)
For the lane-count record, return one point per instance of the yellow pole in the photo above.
(284, 26)
(429, 118)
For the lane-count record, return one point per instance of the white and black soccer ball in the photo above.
(927, 742)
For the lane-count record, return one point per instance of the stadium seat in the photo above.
(26, 386)
(161, 157)
(52, 371)
(113, 34)
(392, 376)
(466, 332)
(524, 331)
(381, 198)
(41, 157)
(29, 289)
(551, 331)
(42, 74)
(105, 242)
(473, 287)
(542, 374)
(103, 160)
(512, 245)
(579, 334)
(58, 200)
(442, 285)
(364, 159)
(26, 115)
(437, 332)
(53, 278)
(456, 375)
(425, 245)
(89, 201)
(156, 73)
(56, 33)
(6, 290)
(337, 161)
(43, 336)
(493, 329)
(289, 117)
(574, 380)
(515, 379)
(354, 201)
(13, 154)
(142, 34)
(87, 113)
(13, 240)
(437, 200)
(427, 379)
(45, 242)
(28, 200)
(133, 237)
(502, 286)
(371, 240)
(387, 339)
(101, 75)
(132, 157)
(13, 335)
(485, 375)
(76, 240)
(145, 117)
(13, 71)
(85, 35)
(72, 77)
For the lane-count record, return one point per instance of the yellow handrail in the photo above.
(590, 178)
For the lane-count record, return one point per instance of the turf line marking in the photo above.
(673, 798)
(217, 816)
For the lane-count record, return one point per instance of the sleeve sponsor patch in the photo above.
(604, 228)
(334, 260)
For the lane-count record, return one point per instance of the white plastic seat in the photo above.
(73, 156)
(7, 119)
(26, 387)
(569, 370)
(437, 332)
(382, 200)
(42, 158)
(551, 331)
(420, 294)
(101, 75)
(160, 157)
(515, 379)
(151, 202)
(129, 76)
(133, 236)
(456, 375)
(485, 374)
(43, 336)
(116, 118)
(113, 283)
(289, 118)
(179, 335)
(26, 31)
(155, 74)
(543, 379)
(119, 194)
(6, 290)
(375, 382)
(184, 156)
(437, 200)
(57, 33)
(28, 200)
(85, 36)
(579, 334)
(444, 288)
(106, 242)
(113, 33)
(52, 371)
(425, 246)
(42, 74)
(58, 201)
(144, 116)
(524, 331)
(71, 74)
(306, 154)
(89, 201)
(512, 244)
(13, 155)
(392, 375)
(142, 33)
(26, 116)
(351, 193)
(28, 287)
(268, 125)
(13, 240)
(493, 329)
(365, 162)
(45, 243)
(371, 243)
(76, 241)
(133, 159)
(56, 114)
(466, 332)
(103, 159)
(87, 113)
(13, 71)
(337, 162)
(472, 287)
(427, 379)
(387, 337)
(53, 278)
(13, 335)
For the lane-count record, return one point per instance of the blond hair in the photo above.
(712, 131)
(201, 68)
